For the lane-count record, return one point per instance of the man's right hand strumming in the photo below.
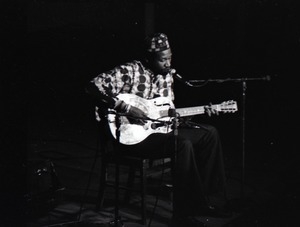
(134, 114)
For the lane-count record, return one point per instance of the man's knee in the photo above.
(213, 132)
(185, 144)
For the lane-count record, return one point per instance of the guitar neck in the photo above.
(184, 112)
(225, 107)
(190, 111)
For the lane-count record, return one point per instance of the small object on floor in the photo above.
(116, 223)
(213, 211)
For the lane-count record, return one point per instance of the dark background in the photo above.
(70, 42)
(55, 47)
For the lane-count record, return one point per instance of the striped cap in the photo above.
(157, 42)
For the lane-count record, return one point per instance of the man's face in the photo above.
(162, 61)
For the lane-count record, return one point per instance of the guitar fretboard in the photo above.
(184, 112)
(189, 111)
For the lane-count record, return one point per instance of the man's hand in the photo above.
(209, 110)
(135, 115)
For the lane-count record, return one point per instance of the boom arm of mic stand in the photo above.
(266, 78)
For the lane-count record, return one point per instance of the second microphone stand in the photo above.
(192, 83)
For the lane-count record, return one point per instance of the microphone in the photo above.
(267, 78)
(180, 78)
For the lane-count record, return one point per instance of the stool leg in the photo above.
(143, 191)
(130, 184)
(117, 185)
(102, 186)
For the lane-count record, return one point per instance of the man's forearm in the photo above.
(93, 90)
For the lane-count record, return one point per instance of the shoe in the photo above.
(187, 221)
(212, 211)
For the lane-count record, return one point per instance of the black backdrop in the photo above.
(55, 47)
(69, 42)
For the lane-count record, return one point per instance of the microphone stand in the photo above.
(174, 115)
(244, 88)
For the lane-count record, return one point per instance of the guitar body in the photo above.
(130, 133)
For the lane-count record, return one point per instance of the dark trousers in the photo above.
(198, 164)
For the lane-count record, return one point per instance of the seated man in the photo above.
(199, 168)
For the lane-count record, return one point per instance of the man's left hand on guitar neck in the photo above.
(209, 110)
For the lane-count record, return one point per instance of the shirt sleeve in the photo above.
(112, 82)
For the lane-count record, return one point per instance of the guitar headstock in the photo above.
(227, 107)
